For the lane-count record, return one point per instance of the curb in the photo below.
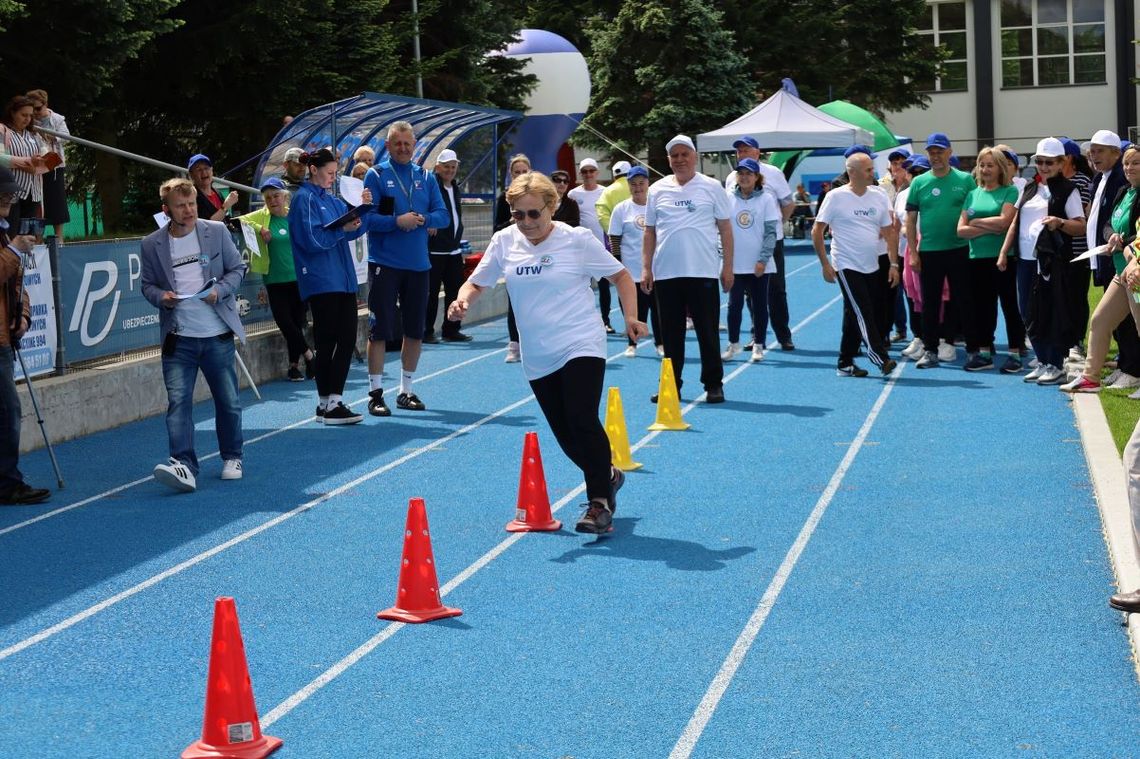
(1111, 493)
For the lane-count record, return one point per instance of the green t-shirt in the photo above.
(1119, 222)
(983, 204)
(280, 252)
(938, 201)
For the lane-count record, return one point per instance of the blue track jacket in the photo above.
(322, 257)
(388, 245)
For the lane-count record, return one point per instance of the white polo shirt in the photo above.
(685, 217)
(856, 223)
(549, 286)
(748, 218)
(628, 220)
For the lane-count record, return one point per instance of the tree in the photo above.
(862, 51)
(573, 21)
(678, 72)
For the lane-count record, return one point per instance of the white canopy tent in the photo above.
(784, 122)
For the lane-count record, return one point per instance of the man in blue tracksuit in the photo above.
(399, 269)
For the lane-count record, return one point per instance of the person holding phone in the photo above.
(16, 312)
(191, 271)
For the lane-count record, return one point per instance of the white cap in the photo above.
(681, 139)
(1106, 138)
(621, 168)
(1050, 147)
(447, 156)
(589, 163)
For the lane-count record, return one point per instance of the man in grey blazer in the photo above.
(191, 271)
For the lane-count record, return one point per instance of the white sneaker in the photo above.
(946, 351)
(1034, 363)
(231, 469)
(1135, 395)
(757, 354)
(513, 356)
(1112, 377)
(1076, 354)
(915, 349)
(630, 351)
(732, 350)
(1035, 373)
(1125, 382)
(661, 351)
(1051, 376)
(174, 474)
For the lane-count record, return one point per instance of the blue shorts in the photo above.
(386, 285)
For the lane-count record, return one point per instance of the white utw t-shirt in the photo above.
(628, 220)
(775, 185)
(549, 286)
(685, 217)
(856, 223)
(749, 216)
(587, 212)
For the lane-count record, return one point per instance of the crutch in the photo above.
(245, 371)
(39, 417)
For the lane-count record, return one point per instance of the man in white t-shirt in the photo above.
(684, 213)
(586, 195)
(862, 228)
(777, 185)
(191, 272)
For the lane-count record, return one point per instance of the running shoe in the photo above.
(295, 375)
(630, 351)
(851, 370)
(1012, 365)
(342, 414)
(947, 351)
(757, 354)
(1081, 384)
(979, 362)
(1113, 377)
(176, 475)
(730, 352)
(1051, 376)
(513, 356)
(929, 360)
(888, 367)
(617, 479)
(1125, 382)
(410, 402)
(1035, 373)
(376, 404)
(915, 349)
(596, 520)
(231, 469)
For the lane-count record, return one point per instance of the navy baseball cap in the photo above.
(637, 171)
(1014, 158)
(1071, 148)
(273, 183)
(858, 149)
(748, 164)
(1124, 145)
(918, 162)
(898, 153)
(938, 140)
(749, 141)
(954, 161)
(199, 158)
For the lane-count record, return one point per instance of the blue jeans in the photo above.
(9, 423)
(215, 357)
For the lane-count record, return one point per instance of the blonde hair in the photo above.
(37, 95)
(515, 159)
(364, 153)
(1000, 160)
(533, 183)
(359, 170)
(176, 186)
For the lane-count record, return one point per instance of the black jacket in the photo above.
(446, 239)
(1114, 181)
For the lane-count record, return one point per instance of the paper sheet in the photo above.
(249, 236)
(161, 219)
(1100, 250)
(352, 190)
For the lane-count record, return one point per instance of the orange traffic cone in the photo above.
(532, 510)
(230, 727)
(417, 599)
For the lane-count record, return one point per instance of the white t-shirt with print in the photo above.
(1029, 220)
(586, 200)
(685, 217)
(748, 218)
(549, 287)
(856, 223)
(900, 216)
(775, 185)
(194, 316)
(628, 220)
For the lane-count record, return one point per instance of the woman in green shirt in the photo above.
(1120, 296)
(274, 263)
(986, 216)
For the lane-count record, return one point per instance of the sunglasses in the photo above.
(559, 180)
(531, 213)
(1044, 161)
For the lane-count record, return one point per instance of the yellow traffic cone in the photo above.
(620, 455)
(668, 403)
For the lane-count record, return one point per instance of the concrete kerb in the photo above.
(92, 400)
(1110, 487)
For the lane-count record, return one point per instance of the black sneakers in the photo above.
(342, 414)
(295, 375)
(409, 402)
(888, 366)
(24, 495)
(376, 404)
(457, 337)
(596, 520)
(715, 395)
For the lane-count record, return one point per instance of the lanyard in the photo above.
(407, 192)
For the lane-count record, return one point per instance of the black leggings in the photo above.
(569, 399)
(334, 332)
(512, 326)
(290, 314)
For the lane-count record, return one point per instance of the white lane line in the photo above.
(704, 711)
(258, 439)
(333, 672)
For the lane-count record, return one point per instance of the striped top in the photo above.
(26, 145)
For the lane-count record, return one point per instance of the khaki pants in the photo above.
(1110, 312)
(1132, 474)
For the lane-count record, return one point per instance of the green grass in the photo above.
(1122, 412)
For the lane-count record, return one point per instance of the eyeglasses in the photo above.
(1045, 161)
(588, 171)
(530, 213)
(559, 180)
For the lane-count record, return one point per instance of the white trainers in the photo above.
(176, 475)
(1125, 382)
(946, 351)
(757, 354)
(661, 351)
(1051, 376)
(915, 349)
(1135, 395)
(1113, 377)
(732, 350)
(1034, 363)
(630, 351)
(1035, 373)
(231, 469)
(513, 356)
(1076, 354)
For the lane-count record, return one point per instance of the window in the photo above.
(944, 24)
(1051, 42)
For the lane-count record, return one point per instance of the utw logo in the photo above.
(89, 296)
(526, 271)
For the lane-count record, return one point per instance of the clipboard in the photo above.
(353, 213)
